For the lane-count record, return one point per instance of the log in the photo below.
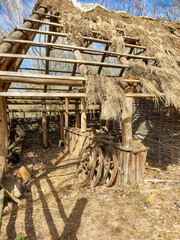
(5, 46)
(82, 68)
(127, 120)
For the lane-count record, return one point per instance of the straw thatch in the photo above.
(107, 91)
(161, 38)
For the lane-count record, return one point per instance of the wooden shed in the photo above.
(122, 69)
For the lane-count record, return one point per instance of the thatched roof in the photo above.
(158, 41)
(161, 39)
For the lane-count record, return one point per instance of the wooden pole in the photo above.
(3, 132)
(127, 120)
(66, 112)
(44, 124)
(100, 120)
(77, 124)
(83, 115)
(107, 124)
(61, 120)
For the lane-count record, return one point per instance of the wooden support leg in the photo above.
(100, 121)
(3, 132)
(83, 115)
(108, 124)
(44, 124)
(61, 121)
(127, 121)
(77, 124)
(66, 112)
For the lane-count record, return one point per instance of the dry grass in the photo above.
(57, 207)
(159, 80)
(160, 42)
(105, 91)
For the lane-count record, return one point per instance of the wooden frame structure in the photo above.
(14, 49)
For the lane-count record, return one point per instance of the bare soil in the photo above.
(55, 206)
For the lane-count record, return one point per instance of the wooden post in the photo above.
(44, 125)
(83, 115)
(3, 132)
(61, 120)
(127, 120)
(100, 120)
(66, 112)
(107, 124)
(77, 124)
(82, 68)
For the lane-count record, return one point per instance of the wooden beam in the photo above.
(103, 59)
(41, 79)
(71, 61)
(43, 70)
(63, 95)
(92, 39)
(46, 14)
(83, 115)
(44, 22)
(39, 76)
(84, 49)
(36, 110)
(66, 112)
(41, 95)
(5, 46)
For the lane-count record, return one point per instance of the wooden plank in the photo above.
(71, 61)
(44, 22)
(62, 46)
(41, 95)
